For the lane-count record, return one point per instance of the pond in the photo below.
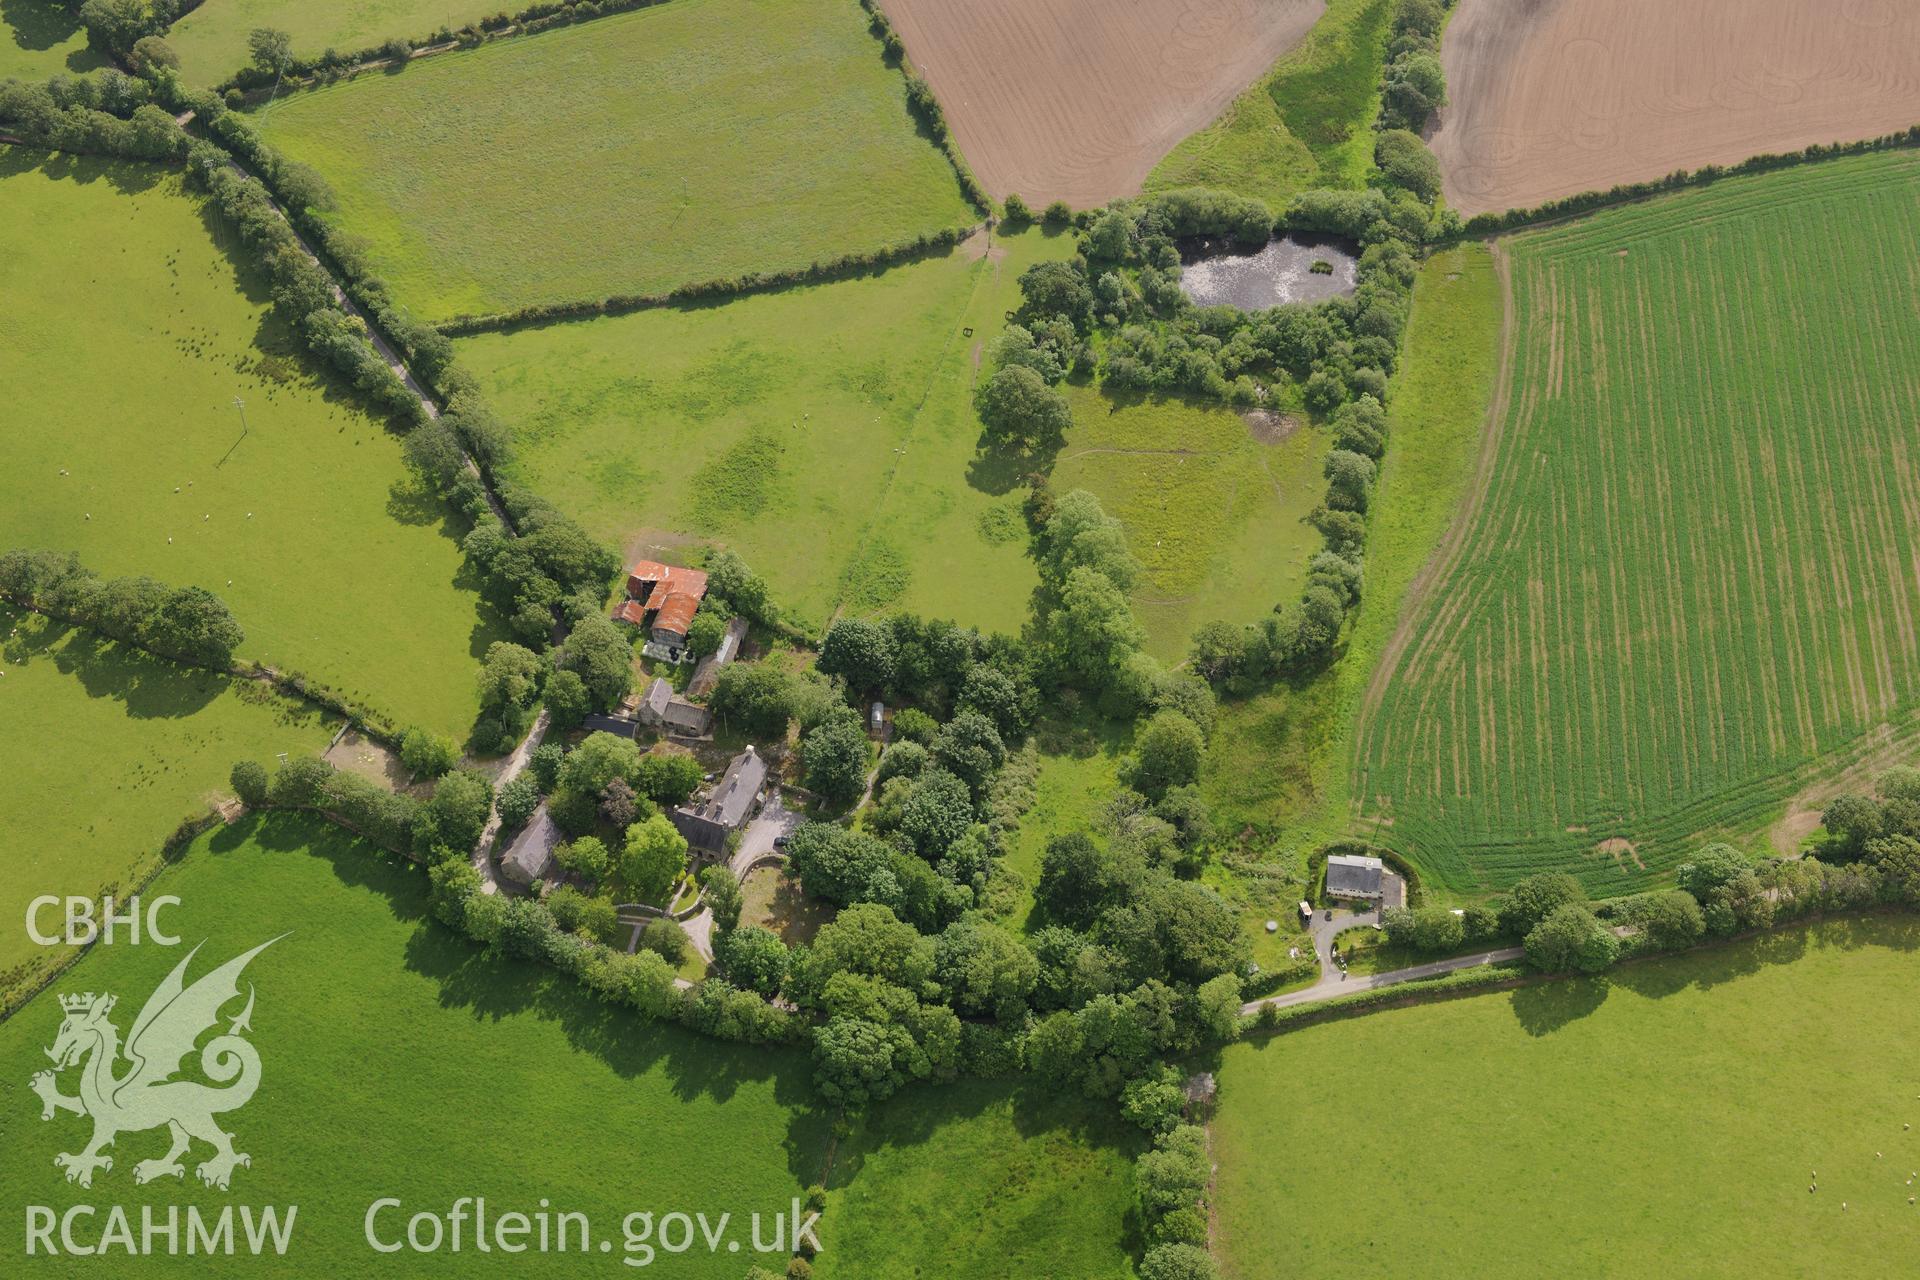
(1282, 272)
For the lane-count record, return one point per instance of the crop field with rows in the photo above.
(1691, 582)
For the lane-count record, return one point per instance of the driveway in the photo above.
(756, 841)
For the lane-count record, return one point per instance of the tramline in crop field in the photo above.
(1692, 580)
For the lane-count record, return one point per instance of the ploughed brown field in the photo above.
(1077, 100)
(1549, 98)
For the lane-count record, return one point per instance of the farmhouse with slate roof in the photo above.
(736, 799)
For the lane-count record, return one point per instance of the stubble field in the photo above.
(1690, 586)
(625, 155)
(1547, 100)
(1077, 100)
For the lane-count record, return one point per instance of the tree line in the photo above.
(1482, 224)
(925, 106)
(848, 265)
(189, 625)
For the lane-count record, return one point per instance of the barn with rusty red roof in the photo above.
(662, 599)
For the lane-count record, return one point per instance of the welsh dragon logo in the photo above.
(146, 1095)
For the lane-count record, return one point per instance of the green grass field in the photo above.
(1218, 519)
(38, 39)
(107, 750)
(826, 433)
(126, 337)
(1280, 760)
(212, 39)
(980, 1179)
(1674, 1111)
(1690, 589)
(625, 155)
(400, 1060)
(1305, 124)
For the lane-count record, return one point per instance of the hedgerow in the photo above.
(1484, 224)
(859, 262)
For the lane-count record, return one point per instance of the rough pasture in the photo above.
(1077, 100)
(1217, 517)
(212, 39)
(125, 336)
(106, 750)
(1689, 586)
(1306, 123)
(1675, 1110)
(625, 155)
(826, 433)
(1548, 100)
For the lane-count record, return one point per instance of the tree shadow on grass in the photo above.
(37, 25)
(1545, 1008)
(492, 987)
(127, 177)
(918, 1115)
(1712, 965)
(148, 688)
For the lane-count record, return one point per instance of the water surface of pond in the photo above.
(1280, 273)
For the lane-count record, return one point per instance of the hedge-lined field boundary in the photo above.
(1574, 206)
(848, 266)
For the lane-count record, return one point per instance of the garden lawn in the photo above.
(126, 337)
(1218, 519)
(40, 39)
(1677, 1110)
(1306, 124)
(1279, 760)
(212, 39)
(773, 898)
(981, 1178)
(625, 155)
(1688, 591)
(106, 751)
(825, 433)
(400, 1060)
